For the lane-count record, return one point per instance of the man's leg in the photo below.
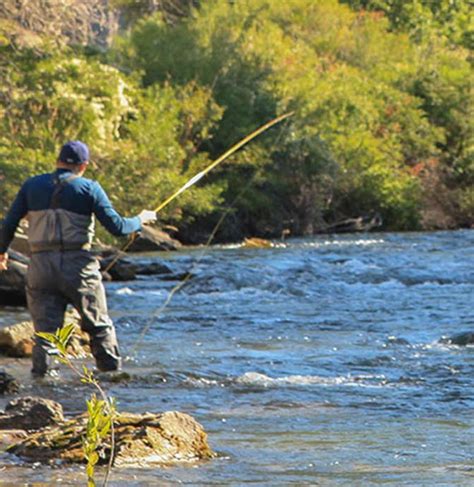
(86, 291)
(46, 307)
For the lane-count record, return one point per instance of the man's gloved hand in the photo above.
(3, 262)
(147, 216)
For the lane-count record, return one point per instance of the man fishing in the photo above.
(60, 208)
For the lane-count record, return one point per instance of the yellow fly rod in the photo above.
(201, 174)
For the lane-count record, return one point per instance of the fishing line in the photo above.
(157, 312)
(201, 174)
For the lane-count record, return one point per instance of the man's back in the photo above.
(59, 207)
(77, 195)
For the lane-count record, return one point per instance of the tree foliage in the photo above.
(381, 90)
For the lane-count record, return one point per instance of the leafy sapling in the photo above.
(100, 412)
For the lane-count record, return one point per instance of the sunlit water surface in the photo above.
(317, 362)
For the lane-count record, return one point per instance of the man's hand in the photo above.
(147, 216)
(3, 262)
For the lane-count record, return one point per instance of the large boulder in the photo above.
(17, 340)
(141, 440)
(31, 413)
(152, 239)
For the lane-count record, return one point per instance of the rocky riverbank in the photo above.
(36, 429)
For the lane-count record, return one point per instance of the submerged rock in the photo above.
(17, 340)
(31, 413)
(153, 268)
(141, 440)
(8, 383)
(462, 339)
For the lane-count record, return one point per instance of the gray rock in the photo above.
(31, 413)
(10, 437)
(153, 239)
(153, 268)
(121, 270)
(462, 339)
(17, 340)
(141, 440)
(8, 383)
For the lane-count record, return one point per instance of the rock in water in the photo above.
(8, 437)
(461, 339)
(160, 438)
(153, 268)
(31, 413)
(122, 270)
(17, 340)
(141, 440)
(151, 239)
(256, 243)
(8, 383)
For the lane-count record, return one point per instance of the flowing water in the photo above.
(317, 362)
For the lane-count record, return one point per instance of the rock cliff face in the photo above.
(141, 440)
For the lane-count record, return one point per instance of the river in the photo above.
(317, 362)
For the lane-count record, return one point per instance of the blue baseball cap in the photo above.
(74, 152)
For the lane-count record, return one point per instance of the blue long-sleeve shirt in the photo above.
(70, 224)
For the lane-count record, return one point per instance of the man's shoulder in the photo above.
(37, 180)
(91, 185)
(47, 176)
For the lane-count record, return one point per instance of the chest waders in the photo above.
(59, 186)
(67, 274)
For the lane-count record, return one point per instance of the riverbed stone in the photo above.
(31, 413)
(121, 270)
(141, 440)
(461, 339)
(256, 243)
(17, 340)
(10, 437)
(153, 268)
(8, 383)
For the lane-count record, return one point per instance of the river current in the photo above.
(320, 361)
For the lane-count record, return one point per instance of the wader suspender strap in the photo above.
(54, 203)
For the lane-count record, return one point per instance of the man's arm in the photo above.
(112, 221)
(17, 211)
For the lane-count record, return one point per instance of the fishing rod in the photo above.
(201, 174)
(160, 309)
